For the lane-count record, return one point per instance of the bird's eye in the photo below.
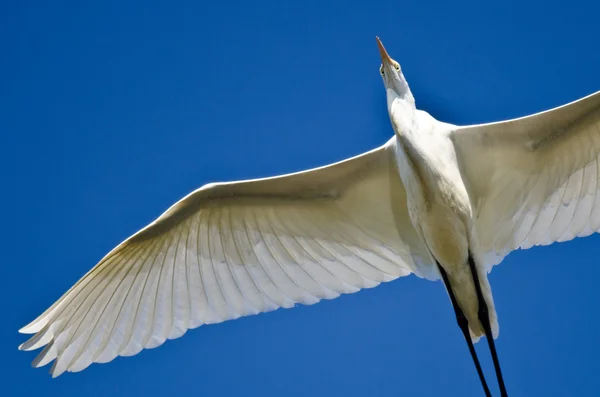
(381, 70)
(397, 67)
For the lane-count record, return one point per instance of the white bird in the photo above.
(437, 200)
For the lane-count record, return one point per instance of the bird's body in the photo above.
(438, 203)
(437, 200)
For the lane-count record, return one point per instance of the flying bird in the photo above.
(437, 200)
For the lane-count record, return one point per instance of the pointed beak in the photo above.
(385, 58)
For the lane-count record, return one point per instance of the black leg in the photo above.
(484, 318)
(464, 327)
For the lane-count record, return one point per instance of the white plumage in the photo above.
(434, 196)
(534, 179)
(235, 249)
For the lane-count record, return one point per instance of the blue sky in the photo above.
(112, 111)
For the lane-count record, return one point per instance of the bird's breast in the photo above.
(437, 199)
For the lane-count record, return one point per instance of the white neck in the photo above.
(424, 153)
(403, 112)
(411, 149)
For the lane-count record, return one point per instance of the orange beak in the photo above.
(385, 58)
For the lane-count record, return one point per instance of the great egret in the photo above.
(437, 200)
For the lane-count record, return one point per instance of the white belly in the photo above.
(445, 234)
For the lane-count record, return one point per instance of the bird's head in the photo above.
(393, 79)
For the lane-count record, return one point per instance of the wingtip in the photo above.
(32, 327)
(53, 372)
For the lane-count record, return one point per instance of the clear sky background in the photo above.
(110, 112)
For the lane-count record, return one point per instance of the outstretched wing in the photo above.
(534, 180)
(234, 249)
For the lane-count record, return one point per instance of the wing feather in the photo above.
(534, 179)
(236, 249)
